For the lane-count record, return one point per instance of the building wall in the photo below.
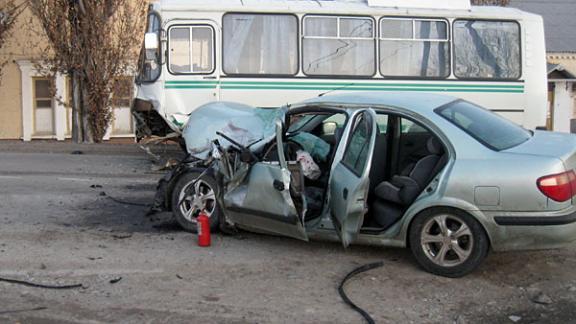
(10, 103)
(564, 92)
(23, 44)
(26, 44)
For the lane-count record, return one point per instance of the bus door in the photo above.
(192, 77)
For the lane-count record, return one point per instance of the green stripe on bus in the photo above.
(373, 89)
(192, 82)
(332, 84)
(356, 86)
(190, 87)
(374, 84)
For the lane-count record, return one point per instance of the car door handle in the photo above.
(278, 185)
(345, 193)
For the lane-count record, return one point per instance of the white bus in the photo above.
(270, 53)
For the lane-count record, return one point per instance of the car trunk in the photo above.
(550, 144)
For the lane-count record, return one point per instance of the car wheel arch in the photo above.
(475, 214)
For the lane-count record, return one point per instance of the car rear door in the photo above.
(349, 181)
(267, 199)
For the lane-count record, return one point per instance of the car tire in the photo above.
(186, 203)
(448, 242)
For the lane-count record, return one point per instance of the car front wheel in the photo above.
(448, 242)
(192, 194)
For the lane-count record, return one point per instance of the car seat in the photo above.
(393, 197)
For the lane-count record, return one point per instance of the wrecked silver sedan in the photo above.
(445, 177)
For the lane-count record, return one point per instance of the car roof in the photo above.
(419, 102)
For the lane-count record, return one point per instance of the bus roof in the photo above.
(344, 7)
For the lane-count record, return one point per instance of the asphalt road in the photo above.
(59, 226)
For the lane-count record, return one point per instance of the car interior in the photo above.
(406, 158)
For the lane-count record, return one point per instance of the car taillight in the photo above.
(559, 187)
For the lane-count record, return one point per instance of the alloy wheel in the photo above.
(446, 240)
(196, 197)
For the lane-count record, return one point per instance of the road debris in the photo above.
(115, 280)
(37, 285)
(126, 202)
(514, 318)
(122, 236)
(542, 299)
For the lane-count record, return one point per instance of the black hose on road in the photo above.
(349, 276)
(36, 285)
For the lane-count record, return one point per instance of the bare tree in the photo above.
(9, 11)
(94, 42)
(502, 3)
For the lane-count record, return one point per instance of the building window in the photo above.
(43, 107)
(339, 46)
(122, 96)
(191, 49)
(260, 44)
(487, 49)
(414, 48)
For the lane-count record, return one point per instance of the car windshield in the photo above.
(488, 128)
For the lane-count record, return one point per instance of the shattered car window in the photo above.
(487, 49)
(317, 147)
(297, 122)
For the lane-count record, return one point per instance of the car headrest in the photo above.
(434, 146)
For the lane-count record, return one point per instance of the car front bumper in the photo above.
(532, 231)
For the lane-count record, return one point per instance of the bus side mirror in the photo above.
(151, 45)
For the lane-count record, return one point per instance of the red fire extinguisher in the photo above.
(203, 229)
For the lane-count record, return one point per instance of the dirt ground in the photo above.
(58, 225)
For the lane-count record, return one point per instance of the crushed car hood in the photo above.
(242, 123)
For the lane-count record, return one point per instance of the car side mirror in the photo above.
(151, 44)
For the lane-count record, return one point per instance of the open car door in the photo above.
(267, 199)
(349, 181)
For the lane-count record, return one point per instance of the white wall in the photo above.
(563, 106)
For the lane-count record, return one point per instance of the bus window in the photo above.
(341, 46)
(486, 49)
(191, 49)
(260, 44)
(414, 48)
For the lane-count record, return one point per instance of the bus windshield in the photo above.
(149, 70)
